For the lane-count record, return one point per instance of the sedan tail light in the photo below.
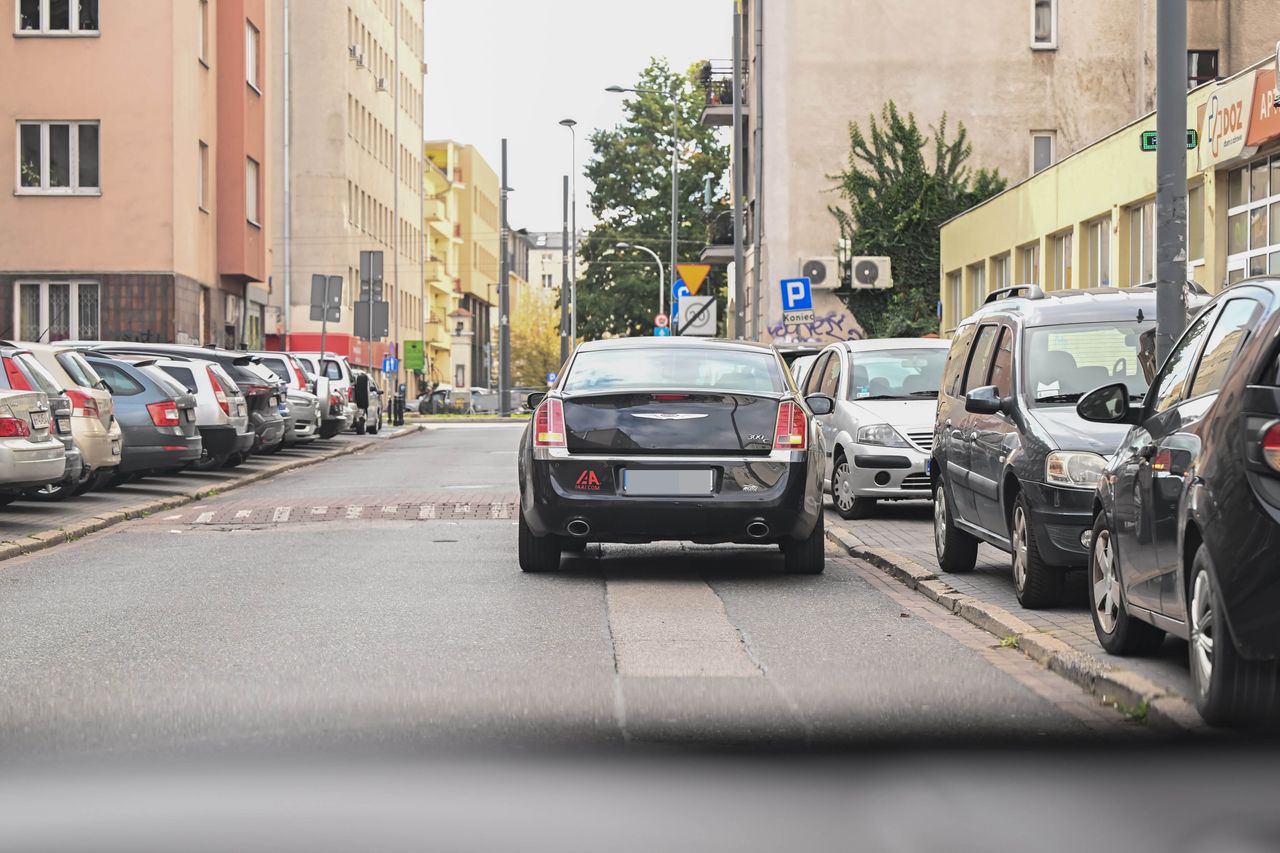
(11, 427)
(219, 393)
(1271, 446)
(548, 425)
(299, 375)
(82, 405)
(17, 381)
(164, 414)
(792, 429)
(351, 394)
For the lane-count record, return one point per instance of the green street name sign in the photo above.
(1149, 140)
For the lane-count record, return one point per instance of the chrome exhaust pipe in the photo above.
(579, 527)
(757, 530)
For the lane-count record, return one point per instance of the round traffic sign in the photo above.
(661, 321)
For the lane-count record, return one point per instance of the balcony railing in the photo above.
(717, 87)
(436, 210)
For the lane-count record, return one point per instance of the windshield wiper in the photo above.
(924, 393)
(880, 397)
(1060, 398)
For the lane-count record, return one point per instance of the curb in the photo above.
(1127, 691)
(44, 540)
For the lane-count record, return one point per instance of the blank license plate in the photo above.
(700, 481)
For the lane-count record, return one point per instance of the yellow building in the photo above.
(1089, 220)
(444, 244)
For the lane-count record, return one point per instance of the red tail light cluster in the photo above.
(548, 424)
(1271, 446)
(298, 374)
(14, 428)
(82, 405)
(219, 393)
(792, 429)
(17, 381)
(164, 414)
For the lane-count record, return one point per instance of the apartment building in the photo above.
(346, 128)
(1032, 80)
(137, 138)
(444, 249)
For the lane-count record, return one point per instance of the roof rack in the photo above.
(1190, 284)
(1033, 292)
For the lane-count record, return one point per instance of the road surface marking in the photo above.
(497, 511)
(244, 513)
(172, 517)
(205, 517)
(391, 508)
(427, 511)
(319, 510)
(281, 514)
(354, 512)
(674, 629)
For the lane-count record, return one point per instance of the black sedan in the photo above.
(675, 439)
(1188, 510)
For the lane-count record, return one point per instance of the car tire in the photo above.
(537, 553)
(1228, 689)
(848, 505)
(1036, 583)
(377, 425)
(807, 556)
(359, 427)
(1118, 632)
(956, 550)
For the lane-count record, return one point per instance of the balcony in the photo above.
(719, 248)
(435, 210)
(717, 87)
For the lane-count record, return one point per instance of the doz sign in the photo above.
(1224, 121)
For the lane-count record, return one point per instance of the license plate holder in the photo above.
(39, 420)
(668, 482)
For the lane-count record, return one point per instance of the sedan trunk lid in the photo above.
(701, 423)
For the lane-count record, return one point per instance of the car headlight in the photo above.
(881, 434)
(1076, 470)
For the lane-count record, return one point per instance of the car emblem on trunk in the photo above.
(668, 416)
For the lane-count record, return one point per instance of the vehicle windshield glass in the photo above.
(279, 368)
(896, 374)
(164, 380)
(80, 371)
(636, 369)
(183, 375)
(228, 384)
(120, 382)
(37, 374)
(1063, 363)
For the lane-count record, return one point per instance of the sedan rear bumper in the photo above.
(178, 451)
(26, 463)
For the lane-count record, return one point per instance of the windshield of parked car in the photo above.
(896, 374)
(1063, 363)
(646, 369)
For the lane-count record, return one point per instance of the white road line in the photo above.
(354, 512)
(392, 508)
(244, 513)
(172, 517)
(281, 514)
(205, 517)
(427, 511)
(497, 511)
(319, 510)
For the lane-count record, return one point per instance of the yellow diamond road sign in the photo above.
(693, 275)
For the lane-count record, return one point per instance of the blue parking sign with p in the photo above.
(797, 295)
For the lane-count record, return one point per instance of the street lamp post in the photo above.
(573, 270)
(662, 282)
(675, 164)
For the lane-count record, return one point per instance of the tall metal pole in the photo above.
(675, 181)
(573, 264)
(1171, 174)
(504, 296)
(739, 182)
(757, 162)
(564, 279)
(288, 187)
(393, 381)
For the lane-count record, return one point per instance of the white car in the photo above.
(222, 416)
(879, 436)
(31, 456)
(304, 406)
(332, 382)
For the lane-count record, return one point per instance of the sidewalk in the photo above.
(898, 539)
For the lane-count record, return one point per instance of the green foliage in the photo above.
(895, 203)
(631, 171)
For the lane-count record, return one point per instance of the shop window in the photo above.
(1142, 244)
(1000, 272)
(1195, 223)
(1253, 219)
(977, 286)
(1029, 264)
(1099, 272)
(1060, 278)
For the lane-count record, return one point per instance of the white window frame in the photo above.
(1032, 251)
(1270, 203)
(1063, 246)
(203, 167)
(73, 325)
(252, 52)
(1001, 267)
(44, 188)
(977, 275)
(1052, 136)
(1052, 43)
(1098, 235)
(955, 296)
(73, 22)
(1146, 211)
(252, 191)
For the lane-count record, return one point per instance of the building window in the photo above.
(251, 191)
(1042, 145)
(1099, 272)
(1000, 272)
(955, 297)
(251, 55)
(1044, 24)
(1060, 274)
(47, 311)
(58, 17)
(58, 158)
(1253, 219)
(204, 177)
(1202, 67)
(204, 32)
(1195, 223)
(1142, 244)
(977, 286)
(1029, 264)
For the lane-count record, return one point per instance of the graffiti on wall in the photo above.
(823, 328)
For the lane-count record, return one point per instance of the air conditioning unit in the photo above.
(382, 84)
(823, 273)
(871, 273)
(357, 53)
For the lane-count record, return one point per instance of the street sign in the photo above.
(326, 290)
(797, 300)
(390, 364)
(551, 379)
(679, 290)
(381, 320)
(698, 316)
(693, 275)
(661, 321)
(415, 355)
(661, 332)
(1149, 139)
(370, 277)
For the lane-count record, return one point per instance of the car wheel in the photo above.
(51, 493)
(807, 556)
(360, 428)
(537, 553)
(848, 505)
(1118, 632)
(1228, 689)
(234, 460)
(1037, 583)
(957, 551)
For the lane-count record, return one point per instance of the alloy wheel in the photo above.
(940, 520)
(843, 491)
(1106, 587)
(1019, 548)
(1202, 629)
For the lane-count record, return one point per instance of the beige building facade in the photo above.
(349, 92)
(1032, 81)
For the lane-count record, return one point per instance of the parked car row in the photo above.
(76, 416)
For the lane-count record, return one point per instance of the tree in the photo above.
(535, 341)
(896, 203)
(631, 170)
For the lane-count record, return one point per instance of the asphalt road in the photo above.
(374, 602)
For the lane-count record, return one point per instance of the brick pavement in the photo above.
(907, 528)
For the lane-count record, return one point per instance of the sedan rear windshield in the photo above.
(896, 374)
(36, 373)
(79, 370)
(645, 369)
(1063, 363)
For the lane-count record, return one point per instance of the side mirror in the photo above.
(1106, 405)
(820, 404)
(984, 401)
(534, 400)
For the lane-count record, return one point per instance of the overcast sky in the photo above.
(515, 68)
